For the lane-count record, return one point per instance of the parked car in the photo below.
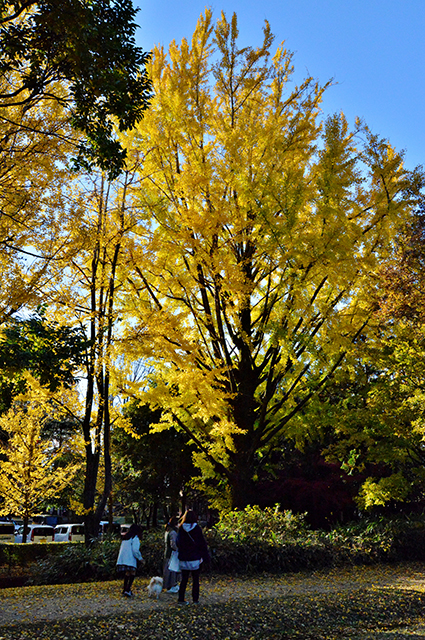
(36, 533)
(69, 533)
(104, 529)
(7, 531)
(18, 522)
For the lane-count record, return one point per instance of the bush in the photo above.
(24, 554)
(75, 563)
(255, 540)
(259, 556)
(268, 524)
(78, 563)
(243, 542)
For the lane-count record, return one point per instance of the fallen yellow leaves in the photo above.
(353, 603)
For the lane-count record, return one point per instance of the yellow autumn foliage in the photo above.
(32, 470)
(264, 222)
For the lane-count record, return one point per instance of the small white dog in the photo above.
(155, 587)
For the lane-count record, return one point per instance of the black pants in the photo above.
(195, 584)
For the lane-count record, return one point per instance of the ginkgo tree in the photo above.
(86, 288)
(33, 157)
(33, 469)
(251, 283)
(70, 71)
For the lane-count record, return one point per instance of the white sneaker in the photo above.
(174, 589)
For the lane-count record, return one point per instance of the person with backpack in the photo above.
(193, 551)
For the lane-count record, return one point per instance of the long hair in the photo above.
(189, 517)
(135, 530)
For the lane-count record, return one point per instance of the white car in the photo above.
(69, 533)
(36, 533)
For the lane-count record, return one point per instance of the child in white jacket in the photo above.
(128, 556)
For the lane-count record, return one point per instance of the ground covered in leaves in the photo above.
(376, 603)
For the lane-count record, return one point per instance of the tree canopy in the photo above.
(31, 471)
(239, 254)
(252, 282)
(83, 55)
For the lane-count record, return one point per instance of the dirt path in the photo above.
(59, 602)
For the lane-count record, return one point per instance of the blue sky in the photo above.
(374, 50)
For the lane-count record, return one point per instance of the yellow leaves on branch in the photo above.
(32, 470)
(253, 275)
(380, 492)
(33, 157)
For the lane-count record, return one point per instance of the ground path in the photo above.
(60, 602)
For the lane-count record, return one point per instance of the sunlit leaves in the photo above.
(253, 278)
(30, 471)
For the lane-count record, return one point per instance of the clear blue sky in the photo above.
(374, 50)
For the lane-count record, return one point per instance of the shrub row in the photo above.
(238, 545)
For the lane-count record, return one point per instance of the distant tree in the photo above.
(152, 468)
(32, 469)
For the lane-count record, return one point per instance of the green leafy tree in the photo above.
(83, 55)
(51, 352)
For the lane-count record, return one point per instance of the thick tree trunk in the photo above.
(241, 488)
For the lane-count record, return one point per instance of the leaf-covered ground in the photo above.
(376, 603)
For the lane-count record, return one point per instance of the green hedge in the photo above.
(24, 554)
(242, 543)
(58, 563)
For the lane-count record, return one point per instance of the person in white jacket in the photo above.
(128, 556)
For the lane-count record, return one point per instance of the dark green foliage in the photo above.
(89, 46)
(234, 551)
(153, 467)
(257, 556)
(51, 353)
(254, 541)
(22, 555)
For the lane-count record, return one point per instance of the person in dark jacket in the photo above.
(193, 551)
